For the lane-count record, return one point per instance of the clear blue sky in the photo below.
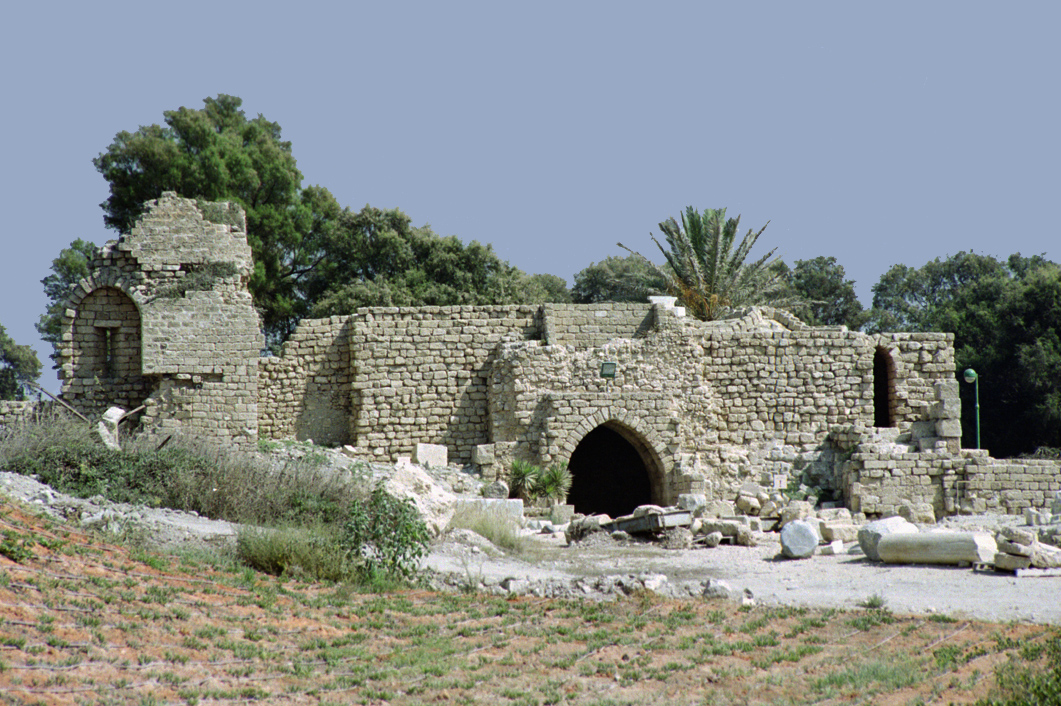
(878, 133)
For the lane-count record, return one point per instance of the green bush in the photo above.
(530, 482)
(501, 528)
(385, 536)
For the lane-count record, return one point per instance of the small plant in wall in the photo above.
(532, 483)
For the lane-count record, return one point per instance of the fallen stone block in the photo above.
(796, 510)
(869, 536)
(745, 537)
(918, 513)
(712, 540)
(431, 455)
(834, 548)
(1004, 545)
(720, 508)
(949, 548)
(695, 503)
(1018, 536)
(498, 490)
(748, 505)
(1009, 562)
(717, 588)
(833, 531)
(799, 539)
(1045, 556)
(727, 528)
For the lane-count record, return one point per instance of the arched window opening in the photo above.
(883, 389)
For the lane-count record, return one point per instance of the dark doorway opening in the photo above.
(609, 475)
(883, 389)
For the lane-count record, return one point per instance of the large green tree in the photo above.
(708, 269)
(376, 257)
(218, 153)
(18, 365)
(67, 270)
(617, 279)
(1006, 319)
(828, 299)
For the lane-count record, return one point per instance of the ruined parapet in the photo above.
(164, 319)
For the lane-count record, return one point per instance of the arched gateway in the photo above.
(614, 470)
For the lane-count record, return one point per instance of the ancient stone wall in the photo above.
(420, 375)
(164, 320)
(305, 393)
(590, 325)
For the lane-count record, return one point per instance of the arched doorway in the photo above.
(883, 389)
(105, 364)
(613, 471)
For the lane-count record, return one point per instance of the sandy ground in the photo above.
(841, 581)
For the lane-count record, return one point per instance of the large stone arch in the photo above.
(629, 429)
(102, 362)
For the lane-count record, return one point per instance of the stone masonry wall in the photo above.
(305, 393)
(165, 319)
(590, 325)
(419, 375)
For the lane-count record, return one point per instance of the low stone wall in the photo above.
(1008, 486)
(12, 413)
(305, 393)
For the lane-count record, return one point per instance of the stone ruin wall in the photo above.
(164, 320)
(710, 405)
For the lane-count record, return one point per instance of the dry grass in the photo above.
(88, 622)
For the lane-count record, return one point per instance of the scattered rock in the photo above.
(799, 539)
(497, 489)
(870, 535)
(677, 538)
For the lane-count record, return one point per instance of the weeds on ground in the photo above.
(300, 518)
(493, 523)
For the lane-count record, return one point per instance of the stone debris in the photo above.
(1020, 549)
(950, 548)
(870, 535)
(799, 539)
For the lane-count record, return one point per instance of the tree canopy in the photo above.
(217, 153)
(18, 366)
(617, 279)
(311, 256)
(67, 270)
(1006, 321)
(708, 270)
(827, 299)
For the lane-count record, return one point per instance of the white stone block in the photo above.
(431, 455)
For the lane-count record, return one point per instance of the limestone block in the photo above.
(695, 503)
(1018, 536)
(948, 428)
(1009, 562)
(833, 531)
(748, 504)
(799, 539)
(796, 510)
(953, 548)
(869, 535)
(1004, 545)
(483, 455)
(918, 513)
(431, 455)
(712, 539)
(497, 490)
(834, 548)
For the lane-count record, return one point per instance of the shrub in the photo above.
(385, 536)
(553, 482)
(521, 479)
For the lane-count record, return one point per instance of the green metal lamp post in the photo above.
(973, 379)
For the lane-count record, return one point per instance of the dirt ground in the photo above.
(841, 581)
(83, 621)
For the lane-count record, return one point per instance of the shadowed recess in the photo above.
(609, 475)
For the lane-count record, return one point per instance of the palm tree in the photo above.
(706, 272)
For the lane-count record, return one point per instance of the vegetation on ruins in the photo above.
(18, 365)
(531, 483)
(1006, 321)
(828, 299)
(709, 271)
(299, 516)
